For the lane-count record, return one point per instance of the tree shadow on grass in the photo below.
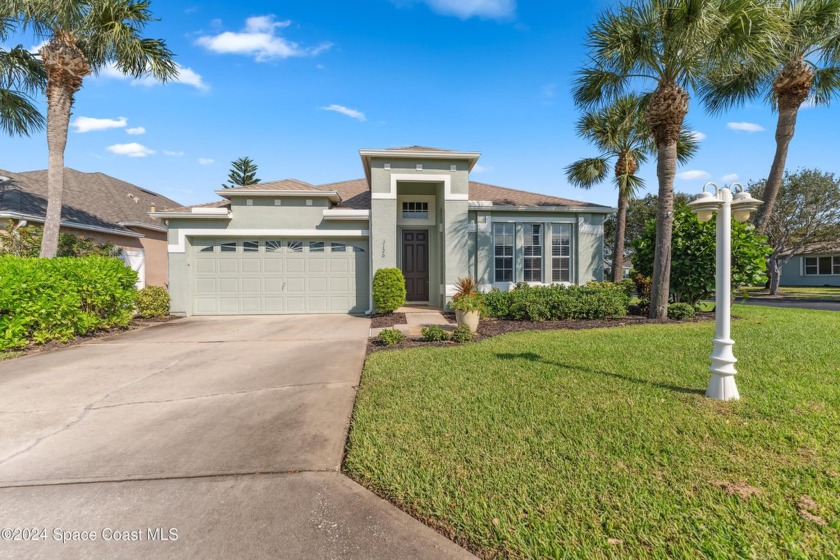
(534, 357)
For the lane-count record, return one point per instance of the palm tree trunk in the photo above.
(620, 232)
(784, 134)
(666, 170)
(58, 121)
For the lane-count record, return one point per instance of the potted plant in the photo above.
(468, 303)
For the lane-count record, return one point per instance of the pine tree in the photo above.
(243, 171)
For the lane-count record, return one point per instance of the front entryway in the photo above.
(415, 264)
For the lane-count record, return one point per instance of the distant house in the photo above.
(293, 247)
(819, 265)
(99, 207)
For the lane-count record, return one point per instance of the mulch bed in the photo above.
(387, 320)
(489, 328)
(105, 333)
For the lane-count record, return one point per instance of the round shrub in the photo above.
(152, 301)
(680, 311)
(391, 337)
(434, 333)
(462, 334)
(388, 290)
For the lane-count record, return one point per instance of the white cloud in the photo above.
(549, 91)
(206, 161)
(730, 178)
(171, 153)
(698, 136)
(132, 149)
(90, 124)
(745, 126)
(137, 130)
(693, 175)
(352, 113)
(478, 168)
(465, 9)
(186, 76)
(36, 49)
(259, 38)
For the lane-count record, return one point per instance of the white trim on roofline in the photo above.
(74, 225)
(568, 209)
(332, 195)
(346, 215)
(181, 245)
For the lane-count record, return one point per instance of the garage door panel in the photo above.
(277, 276)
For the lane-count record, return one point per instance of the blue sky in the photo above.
(300, 86)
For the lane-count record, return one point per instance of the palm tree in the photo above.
(805, 65)
(21, 77)
(619, 131)
(83, 36)
(664, 47)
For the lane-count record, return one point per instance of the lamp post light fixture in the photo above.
(727, 202)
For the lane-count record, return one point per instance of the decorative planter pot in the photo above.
(469, 318)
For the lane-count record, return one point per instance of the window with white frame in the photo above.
(415, 210)
(532, 251)
(822, 266)
(503, 237)
(561, 253)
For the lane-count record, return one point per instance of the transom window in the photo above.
(296, 246)
(273, 246)
(503, 237)
(532, 253)
(561, 253)
(415, 210)
(822, 266)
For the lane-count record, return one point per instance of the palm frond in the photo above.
(18, 114)
(21, 70)
(687, 145)
(629, 185)
(588, 172)
(826, 84)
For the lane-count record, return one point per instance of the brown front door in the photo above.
(415, 264)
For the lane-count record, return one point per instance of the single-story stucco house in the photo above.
(292, 247)
(818, 265)
(99, 207)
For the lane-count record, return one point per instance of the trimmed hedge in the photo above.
(57, 299)
(596, 300)
(680, 311)
(388, 290)
(153, 302)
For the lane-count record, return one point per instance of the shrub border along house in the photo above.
(56, 299)
(596, 300)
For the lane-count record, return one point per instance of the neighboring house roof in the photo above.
(92, 201)
(355, 195)
(284, 185)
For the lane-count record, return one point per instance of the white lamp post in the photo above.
(740, 205)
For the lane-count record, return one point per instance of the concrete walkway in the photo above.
(417, 317)
(200, 438)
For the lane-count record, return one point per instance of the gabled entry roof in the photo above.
(417, 152)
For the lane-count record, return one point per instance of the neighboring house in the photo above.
(99, 207)
(292, 247)
(818, 265)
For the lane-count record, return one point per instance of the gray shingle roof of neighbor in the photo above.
(355, 195)
(89, 199)
(283, 185)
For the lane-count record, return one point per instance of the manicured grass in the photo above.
(600, 443)
(824, 293)
(10, 354)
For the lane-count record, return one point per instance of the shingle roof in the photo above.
(91, 199)
(283, 185)
(355, 195)
(416, 149)
(217, 204)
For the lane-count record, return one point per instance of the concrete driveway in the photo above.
(224, 433)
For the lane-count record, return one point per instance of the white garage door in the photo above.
(277, 276)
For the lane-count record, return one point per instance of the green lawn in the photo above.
(600, 444)
(825, 293)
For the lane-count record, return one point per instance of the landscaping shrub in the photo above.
(152, 301)
(391, 337)
(596, 300)
(462, 334)
(388, 290)
(629, 287)
(642, 284)
(57, 299)
(680, 311)
(434, 333)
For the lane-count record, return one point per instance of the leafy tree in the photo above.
(807, 211)
(805, 64)
(84, 36)
(619, 131)
(21, 77)
(243, 171)
(25, 241)
(694, 253)
(664, 48)
(639, 212)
